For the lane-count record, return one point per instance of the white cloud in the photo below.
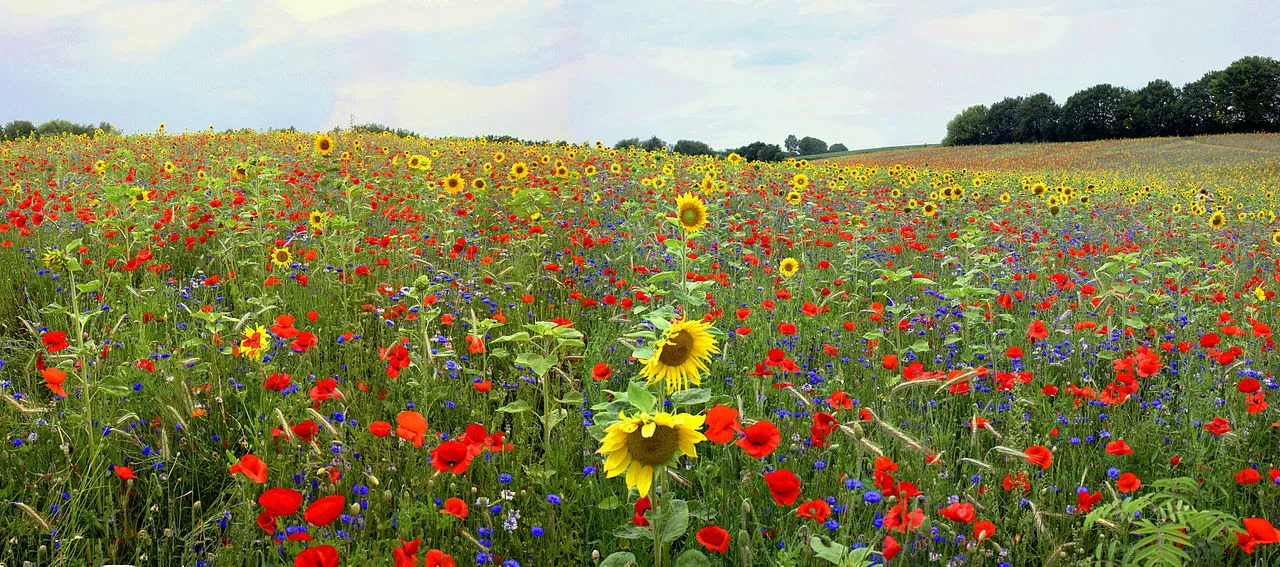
(148, 27)
(54, 9)
(998, 31)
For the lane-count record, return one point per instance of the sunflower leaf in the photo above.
(642, 398)
(692, 558)
(673, 520)
(691, 397)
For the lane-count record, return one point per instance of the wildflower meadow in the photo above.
(286, 349)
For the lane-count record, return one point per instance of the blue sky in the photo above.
(865, 73)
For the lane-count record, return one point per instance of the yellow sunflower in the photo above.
(681, 355)
(1275, 239)
(323, 144)
(453, 184)
(793, 198)
(1217, 220)
(799, 181)
(788, 267)
(253, 342)
(318, 219)
(519, 170)
(691, 212)
(281, 256)
(478, 184)
(55, 259)
(638, 444)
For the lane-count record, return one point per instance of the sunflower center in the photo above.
(677, 350)
(654, 450)
(689, 216)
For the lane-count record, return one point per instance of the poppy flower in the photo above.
(318, 556)
(325, 510)
(325, 389)
(983, 530)
(819, 510)
(252, 467)
(1128, 482)
(397, 359)
(303, 342)
(1039, 455)
(455, 507)
(714, 538)
(53, 379)
(889, 362)
(306, 430)
(1248, 475)
(898, 519)
(125, 473)
(380, 428)
(407, 554)
(1013, 352)
(1209, 340)
(437, 558)
(787, 328)
(761, 439)
(267, 521)
(277, 381)
(784, 486)
(482, 386)
(1219, 426)
(962, 512)
(55, 341)
(451, 456)
(722, 424)
(641, 506)
(411, 426)
(601, 371)
(1037, 331)
(1257, 531)
(890, 548)
(1118, 447)
(1085, 500)
(280, 501)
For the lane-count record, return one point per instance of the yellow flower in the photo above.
(254, 342)
(691, 212)
(323, 144)
(519, 170)
(788, 267)
(453, 184)
(681, 355)
(318, 219)
(800, 181)
(281, 256)
(1260, 293)
(638, 444)
(793, 198)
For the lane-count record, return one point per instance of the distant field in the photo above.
(1228, 150)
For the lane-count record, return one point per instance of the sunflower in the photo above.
(1217, 220)
(788, 267)
(799, 181)
(498, 157)
(281, 256)
(253, 342)
(1039, 189)
(1275, 239)
(681, 355)
(793, 198)
(55, 259)
(589, 170)
(323, 144)
(478, 184)
(691, 212)
(453, 184)
(242, 170)
(200, 174)
(928, 209)
(519, 170)
(615, 168)
(639, 443)
(318, 219)
(659, 182)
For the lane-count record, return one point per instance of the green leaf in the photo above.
(518, 406)
(610, 503)
(691, 397)
(919, 346)
(86, 287)
(693, 558)
(827, 549)
(925, 281)
(554, 417)
(518, 336)
(673, 520)
(572, 399)
(538, 363)
(634, 532)
(660, 277)
(642, 398)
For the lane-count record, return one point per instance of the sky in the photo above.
(730, 72)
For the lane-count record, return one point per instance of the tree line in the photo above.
(17, 129)
(755, 151)
(1244, 97)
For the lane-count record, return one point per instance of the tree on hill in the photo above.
(653, 144)
(1036, 119)
(1149, 111)
(1002, 121)
(626, 143)
(792, 144)
(692, 148)
(967, 127)
(808, 146)
(837, 147)
(760, 151)
(1194, 112)
(1248, 95)
(1093, 114)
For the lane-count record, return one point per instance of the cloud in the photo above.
(998, 31)
(149, 27)
(51, 10)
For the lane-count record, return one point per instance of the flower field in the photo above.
(318, 350)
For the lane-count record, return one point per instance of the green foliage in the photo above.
(692, 148)
(967, 127)
(1162, 527)
(809, 146)
(760, 151)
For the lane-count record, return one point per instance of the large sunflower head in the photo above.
(323, 144)
(681, 355)
(318, 219)
(519, 170)
(281, 257)
(1217, 220)
(789, 267)
(691, 212)
(453, 184)
(638, 444)
(793, 198)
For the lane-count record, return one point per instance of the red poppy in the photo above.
(125, 473)
(601, 371)
(55, 341)
(1248, 476)
(898, 519)
(306, 430)
(325, 389)
(397, 359)
(53, 379)
(722, 424)
(252, 467)
(889, 362)
(456, 507)
(325, 510)
(1085, 500)
(786, 328)
(277, 381)
(1118, 447)
(1257, 531)
(451, 456)
(1037, 331)
(983, 530)
(318, 556)
(784, 486)
(714, 538)
(1013, 352)
(482, 386)
(1219, 426)
(958, 512)
(890, 548)
(1039, 455)
(411, 426)
(1128, 482)
(280, 501)
(437, 558)
(303, 341)
(642, 505)
(761, 439)
(380, 428)
(267, 521)
(819, 510)
(407, 554)
(1210, 340)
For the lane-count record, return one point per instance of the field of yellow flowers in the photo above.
(318, 350)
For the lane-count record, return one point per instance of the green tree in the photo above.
(1149, 111)
(692, 148)
(1247, 94)
(1002, 121)
(809, 146)
(626, 143)
(837, 147)
(760, 151)
(18, 129)
(1036, 119)
(653, 144)
(967, 127)
(792, 144)
(1195, 110)
(1093, 114)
